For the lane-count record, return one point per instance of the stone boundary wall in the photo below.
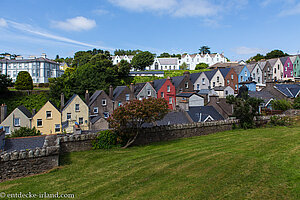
(73, 143)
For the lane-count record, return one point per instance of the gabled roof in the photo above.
(210, 74)
(170, 118)
(238, 69)
(95, 96)
(53, 105)
(93, 120)
(200, 113)
(264, 95)
(220, 88)
(158, 84)
(206, 91)
(251, 67)
(289, 90)
(69, 101)
(224, 65)
(262, 64)
(177, 80)
(283, 59)
(18, 144)
(25, 111)
(118, 90)
(272, 61)
(186, 94)
(293, 58)
(138, 87)
(168, 61)
(224, 71)
(194, 77)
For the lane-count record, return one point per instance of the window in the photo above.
(103, 102)
(39, 122)
(218, 79)
(127, 97)
(119, 103)
(258, 79)
(257, 71)
(242, 79)
(245, 73)
(106, 114)
(17, 122)
(236, 87)
(291, 73)
(186, 85)
(95, 110)
(231, 76)
(285, 68)
(214, 84)
(254, 75)
(76, 107)
(7, 129)
(275, 70)
(149, 92)
(170, 100)
(68, 115)
(228, 81)
(80, 120)
(162, 95)
(168, 88)
(226, 92)
(278, 67)
(48, 114)
(198, 86)
(203, 81)
(57, 127)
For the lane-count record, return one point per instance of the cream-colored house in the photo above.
(20, 117)
(47, 119)
(75, 111)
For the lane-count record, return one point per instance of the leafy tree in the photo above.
(25, 132)
(296, 104)
(204, 50)
(164, 55)
(281, 105)
(83, 57)
(124, 68)
(258, 57)
(24, 81)
(275, 54)
(245, 109)
(127, 120)
(184, 66)
(201, 66)
(122, 52)
(142, 60)
(5, 82)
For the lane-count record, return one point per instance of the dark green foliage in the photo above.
(270, 55)
(122, 52)
(296, 104)
(201, 66)
(124, 68)
(5, 82)
(25, 132)
(204, 49)
(184, 66)
(281, 121)
(105, 140)
(281, 105)
(142, 60)
(24, 81)
(84, 57)
(167, 55)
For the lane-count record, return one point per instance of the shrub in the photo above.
(281, 121)
(201, 66)
(24, 81)
(24, 132)
(281, 105)
(296, 104)
(105, 140)
(41, 85)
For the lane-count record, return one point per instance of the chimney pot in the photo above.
(3, 112)
(87, 97)
(111, 92)
(62, 101)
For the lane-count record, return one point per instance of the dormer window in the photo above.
(149, 92)
(186, 85)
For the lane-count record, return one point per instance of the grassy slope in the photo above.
(239, 164)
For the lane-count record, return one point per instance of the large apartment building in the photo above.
(40, 68)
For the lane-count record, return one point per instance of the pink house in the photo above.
(287, 68)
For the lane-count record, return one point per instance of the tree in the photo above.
(184, 66)
(123, 68)
(142, 60)
(204, 50)
(24, 81)
(201, 66)
(245, 109)
(122, 52)
(25, 132)
(5, 82)
(275, 54)
(128, 119)
(164, 55)
(281, 105)
(296, 104)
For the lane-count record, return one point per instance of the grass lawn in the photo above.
(239, 164)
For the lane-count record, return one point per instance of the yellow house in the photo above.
(47, 119)
(75, 111)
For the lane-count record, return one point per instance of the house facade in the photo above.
(48, 119)
(224, 91)
(185, 100)
(75, 111)
(243, 73)
(117, 59)
(40, 69)
(256, 73)
(193, 59)
(122, 95)
(164, 64)
(165, 89)
(100, 104)
(183, 83)
(20, 117)
(297, 66)
(288, 69)
(231, 79)
(144, 90)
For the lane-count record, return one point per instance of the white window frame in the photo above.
(77, 107)
(16, 124)
(162, 94)
(149, 92)
(170, 100)
(5, 129)
(168, 88)
(96, 110)
(127, 97)
(80, 119)
(186, 85)
(37, 122)
(103, 102)
(47, 112)
(69, 114)
(57, 128)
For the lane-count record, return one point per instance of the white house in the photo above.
(40, 69)
(116, 59)
(224, 91)
(164, 64)
(193, 59)
(209, 80)
(256, 73)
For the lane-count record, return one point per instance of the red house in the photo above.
(165, 89)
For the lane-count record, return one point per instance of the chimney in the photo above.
(33, 112)
(187, 74)
(2, 139)
(3, 112)
(62, 101)
(111, 92)
(44, 55)
(213, 99)
(87, 97)
(132, 88)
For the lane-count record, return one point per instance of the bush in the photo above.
(24, 81)
(25, 132)
(41, 85)
(281, 105)
(281, 121)
(296, 104)
(105, 140)
(201, 66)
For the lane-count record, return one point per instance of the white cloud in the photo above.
(3, 22)
(145, 5)
(75, 24)
(247, 50)
(294, 10)
(191, 8)
(44, 34)
(101, 12)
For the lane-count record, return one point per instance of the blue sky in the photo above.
(239, 28)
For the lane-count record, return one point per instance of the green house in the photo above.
(296, 65)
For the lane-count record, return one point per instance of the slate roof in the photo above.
(264, 95)
(138, 87)
(210, 74)
(251, 67)
(117, 91)
(224, 65)
(25, 111)
(158, 84)
(69, 101)
(185, 94)
(170, 118)
(53, 105)
(293, 58)
(194, 77)
(289, 90)
(206, 91)
(203, 112)
(28, 60)
(94, 96)
(95, 119)
(18, 144)
(272, 61)
(283, 59)
(220, 88)
(224, 71)
(177, 80)
(168, 61)
(238, 69)
(262, 64)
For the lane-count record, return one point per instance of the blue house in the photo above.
(243, 73)
(251, 85)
